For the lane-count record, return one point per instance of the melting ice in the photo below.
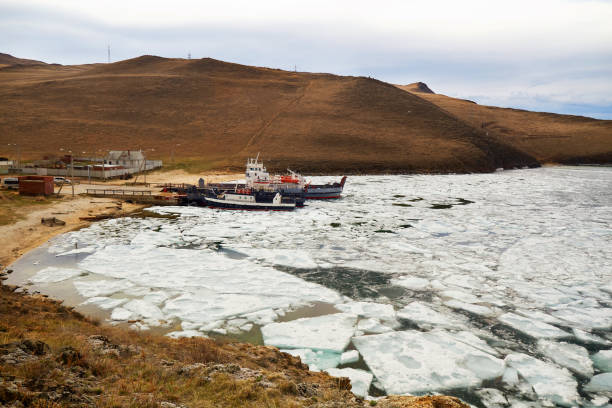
(496, 287)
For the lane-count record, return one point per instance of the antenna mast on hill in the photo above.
(108, 54)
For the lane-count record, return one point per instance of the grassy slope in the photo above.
(214, 114)
(549, 137)
(134, 369)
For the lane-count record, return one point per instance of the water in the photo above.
(443, 283)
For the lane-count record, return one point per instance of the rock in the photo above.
(103, 345)
(69, 355)
(420, 402)
(19, 352)
(307, 390)
(188, 370)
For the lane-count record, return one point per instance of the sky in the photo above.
(542, 55)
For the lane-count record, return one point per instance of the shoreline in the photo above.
(22, 236)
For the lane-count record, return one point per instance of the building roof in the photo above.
(125, 155)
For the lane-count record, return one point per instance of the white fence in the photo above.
(106, 173)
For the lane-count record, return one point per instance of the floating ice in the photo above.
(568, 355)
(330, 332)
(360, 380)
(548, 381)
(351, 356)
(589, 338)
(492, 398)
(120, 314)
(603, 360)
(284, 257)
(104, 302)
(586, 317)
(461, 296)
(470, 307)
(417, 362)
(412, 283)
(532, 328)
(424, 316)
(213, 286)
(317, 360)
(373, 326)
(510, 377)
(144, 309)
(368, 310)
(53, 275)
(86, 250)
(534, 241)
(185, 333)
(88, 288)
(600, 383)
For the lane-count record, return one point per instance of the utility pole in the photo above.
(72, 172)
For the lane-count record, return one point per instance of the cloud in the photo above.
(545, 54)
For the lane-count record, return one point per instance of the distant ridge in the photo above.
(210, 114)
(9, 60)
(420, 87)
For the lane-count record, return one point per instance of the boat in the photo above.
(324, 191)
(247, 199)
(291, 184)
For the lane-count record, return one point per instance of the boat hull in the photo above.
(231, 205)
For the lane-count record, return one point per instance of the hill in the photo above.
(212, 114)
(7, 60)
(549, 137)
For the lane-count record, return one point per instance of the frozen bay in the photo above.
(483, 267)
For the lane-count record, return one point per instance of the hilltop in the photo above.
(548, 137)
(209, 114)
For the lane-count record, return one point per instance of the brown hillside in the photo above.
(217, 113)
(549, 137)
(420, 87)
(7, 60)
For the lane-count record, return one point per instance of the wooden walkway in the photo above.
(135, 196)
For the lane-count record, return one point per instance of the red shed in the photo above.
(36, 185)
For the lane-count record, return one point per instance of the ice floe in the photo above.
(532, 328)
(104, 302)
(351, 356)
(548, 381)
(317, 360)
(360, 380)
(570, 356)
(424, 316)
(602, 360)
(600, 383)
(53, 275)
(418, 362)
(470, 307)
(185, 333)
(330, 332)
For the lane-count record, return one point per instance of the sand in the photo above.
(28, 233)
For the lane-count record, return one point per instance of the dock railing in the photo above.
(100, 191)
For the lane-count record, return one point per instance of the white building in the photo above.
(130, 159)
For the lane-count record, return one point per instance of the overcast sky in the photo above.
(545, 55)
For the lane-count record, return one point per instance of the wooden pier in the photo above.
(136, 196)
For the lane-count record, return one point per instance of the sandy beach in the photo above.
(18, 238)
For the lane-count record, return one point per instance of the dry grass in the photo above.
(548, 137)
(13, 206)
(208, 114)
(143, 379)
